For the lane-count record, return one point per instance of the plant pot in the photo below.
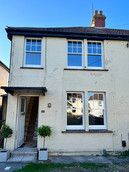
(43, 155)
(4, 155)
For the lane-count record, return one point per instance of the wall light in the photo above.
(49, 105)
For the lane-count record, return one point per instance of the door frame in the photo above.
(18, 111)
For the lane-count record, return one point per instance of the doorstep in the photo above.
(22, 158)
(23, 154)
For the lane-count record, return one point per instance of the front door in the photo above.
(21, 121)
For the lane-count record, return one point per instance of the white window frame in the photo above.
(99, 127)
(85, 54)
(75, 127)
(33, 66)
(102, 55)
(76, 67)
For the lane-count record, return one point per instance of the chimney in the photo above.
(98, 19)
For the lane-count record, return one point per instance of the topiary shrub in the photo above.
(6, 132)
(1, 139)
(44, 131)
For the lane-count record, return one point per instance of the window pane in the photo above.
(74, 50)
(28, 41)
(70, 44)
(94, 61)
(22, 105)
(38, 48)
(39, 42)
(75, 44)
(89, 45)
(74, 47)
(79, 50)
(33, 58)
(27, 48)
(94, 48)
(74, 109)
(96, 109)
(69, 49)
(74, 60)
(79, 44)
(33, 48)
(99, 45)
(99, 51)
(33, 52)
(34, 42)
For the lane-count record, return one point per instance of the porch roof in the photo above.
(12, 90)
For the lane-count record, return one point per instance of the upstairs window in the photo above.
(94, 57)
(74, 54)
(33, 52)
(79, 57)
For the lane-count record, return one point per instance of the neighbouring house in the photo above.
(4, 74)
(74, 79)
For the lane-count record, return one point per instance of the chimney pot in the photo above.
(98, 19)
(96, 12)
(101, 12)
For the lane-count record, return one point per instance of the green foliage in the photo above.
(6, 131)
(1, 123)
(44, 131)
(93, 165)
(1, 138)
(48, 167)
(124, 154)
(105, 153)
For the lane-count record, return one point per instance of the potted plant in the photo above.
(44, 131)
(5, 133)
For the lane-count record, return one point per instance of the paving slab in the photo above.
(121, 164)
(98, 159)
(15, 158)
(22, 158)
(29, 159)
(10, 167)
(81, 159)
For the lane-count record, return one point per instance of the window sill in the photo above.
(31, 68)
(90, 131)
(84, 69)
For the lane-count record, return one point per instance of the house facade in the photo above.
(75, 80)
(4, 74)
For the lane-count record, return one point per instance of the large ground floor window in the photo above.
(96, 110)
(76, 113)
(75, 110)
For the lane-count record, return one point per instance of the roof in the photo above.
(4, 66)
(70, 32)
(12, 90)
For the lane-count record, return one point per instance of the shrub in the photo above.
(124, 154)
(6, 132)
(44, 131)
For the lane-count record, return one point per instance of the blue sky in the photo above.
(52, 13)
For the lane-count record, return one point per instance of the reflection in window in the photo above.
(96, 108)
(74, 53)
(94, 54)
(74, 109)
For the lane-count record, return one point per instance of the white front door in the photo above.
(21, 121)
